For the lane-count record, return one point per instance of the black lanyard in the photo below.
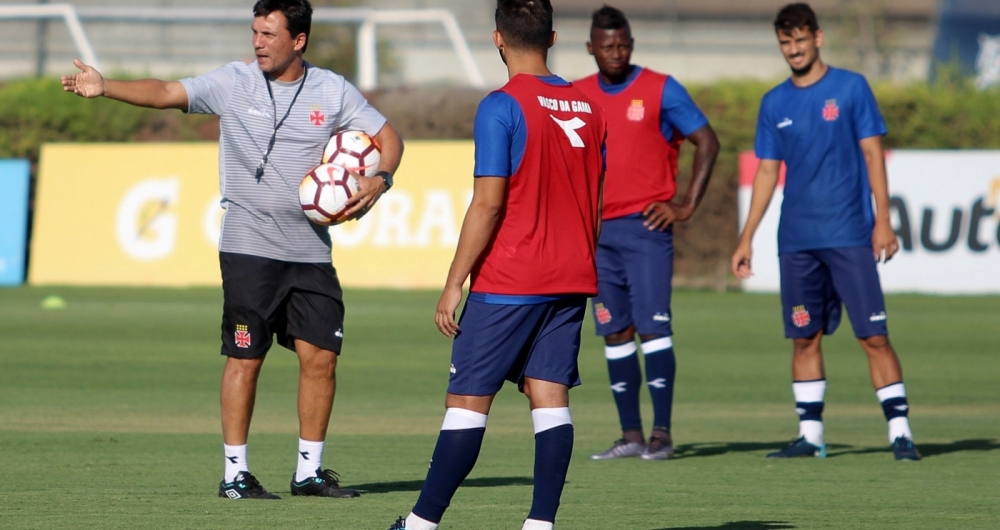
(277, 125)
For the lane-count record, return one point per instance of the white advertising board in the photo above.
(945, 211)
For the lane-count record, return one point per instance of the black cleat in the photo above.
(400, 524)
(903, 449)
(800, 448)
(244, 486)
(324, 484)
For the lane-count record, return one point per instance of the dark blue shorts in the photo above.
(814, 283)
(635, 267)
(500, 343)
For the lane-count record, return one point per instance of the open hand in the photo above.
(89, 83)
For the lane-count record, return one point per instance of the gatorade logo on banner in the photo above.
(149, 214)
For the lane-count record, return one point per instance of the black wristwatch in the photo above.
(387, 177)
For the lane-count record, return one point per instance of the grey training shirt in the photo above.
(263, 218)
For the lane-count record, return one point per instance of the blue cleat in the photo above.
(400, 524)
(801, 448)
(903, 449)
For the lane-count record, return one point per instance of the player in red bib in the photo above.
(649, 115)
(529, 242)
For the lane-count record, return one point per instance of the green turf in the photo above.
(109, 419)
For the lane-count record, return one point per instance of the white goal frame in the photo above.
(367, 20)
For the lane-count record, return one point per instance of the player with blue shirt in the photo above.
(528, 242)
(825, 125)
(649, 116)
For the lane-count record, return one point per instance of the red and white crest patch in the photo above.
(317, 117)
(242, 336)
(603, 315)
(831, 111)
(800, 316)
(636, 112)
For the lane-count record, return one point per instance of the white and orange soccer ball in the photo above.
(353, 150)
(324, 192)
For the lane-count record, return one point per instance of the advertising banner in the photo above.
(149, 214)
(15, 177)
(945, 210)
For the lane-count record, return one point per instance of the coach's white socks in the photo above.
(416, 523)
(310, 459)
(534, 524)
(236, 461)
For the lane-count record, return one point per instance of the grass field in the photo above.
(109, 419)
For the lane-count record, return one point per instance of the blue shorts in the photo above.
(814, 283)
(635, 267)
(500, 343)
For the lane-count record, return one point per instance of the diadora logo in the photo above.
(618, 388)
(800, 411)
(658, 383)
(784, 123)
(877, 317)
(831, 111)
(901, 408)
(636, 111)
(661, 317)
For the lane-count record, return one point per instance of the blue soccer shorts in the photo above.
(498, 343)
(814, 284)
(635, 268)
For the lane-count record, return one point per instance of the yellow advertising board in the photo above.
(149, 214)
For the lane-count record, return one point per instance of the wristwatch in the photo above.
(387, 177)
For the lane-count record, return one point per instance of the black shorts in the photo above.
(264, 297)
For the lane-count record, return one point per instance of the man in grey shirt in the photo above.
(276, 116)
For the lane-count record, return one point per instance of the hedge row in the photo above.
(919, 116)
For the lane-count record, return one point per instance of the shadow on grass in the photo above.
(415, 485)
(715, 449)
(737, 525)
(930, 450)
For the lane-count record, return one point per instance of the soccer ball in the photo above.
(324, 191)
(353, 150)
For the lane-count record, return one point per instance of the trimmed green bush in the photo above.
(950, 115)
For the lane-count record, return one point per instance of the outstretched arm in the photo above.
(153, 93)
(884, 242)
(477, 230)
(763, 189)
(659, 215)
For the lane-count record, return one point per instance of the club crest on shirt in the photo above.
(602, 313)
(800, 317)
(316, 116)
(636, 112)
(831, 111)
(242, 336)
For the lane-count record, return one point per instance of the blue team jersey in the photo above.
(678, 111)
(815, 130)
